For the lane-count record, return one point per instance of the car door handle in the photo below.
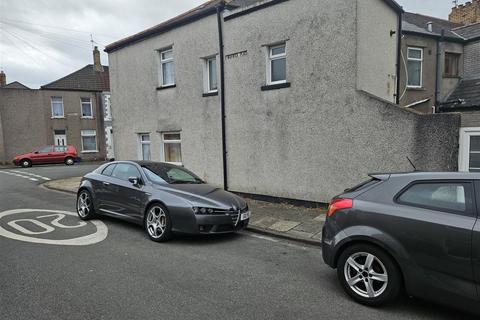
(105, 183)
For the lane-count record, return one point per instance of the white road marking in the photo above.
(31, 174)
(99, 235)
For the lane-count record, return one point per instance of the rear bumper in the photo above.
(16, 162)
(328, 250)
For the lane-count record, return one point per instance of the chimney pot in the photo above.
(97, 64)
(3, 78)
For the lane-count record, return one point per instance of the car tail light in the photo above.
(339, 204)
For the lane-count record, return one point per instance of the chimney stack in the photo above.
(3, 78)
(97, 64)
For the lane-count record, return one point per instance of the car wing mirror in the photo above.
(36, 152)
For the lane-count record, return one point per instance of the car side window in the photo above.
(455, 197)
(124, 171)
(108, 170)
(60, 149)
(46, 149)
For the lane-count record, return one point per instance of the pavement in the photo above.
(275, 219)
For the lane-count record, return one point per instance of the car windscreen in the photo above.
(170, 174)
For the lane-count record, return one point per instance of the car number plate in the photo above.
(245, 216)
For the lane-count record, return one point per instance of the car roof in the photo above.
(145, 163)
(429, 175)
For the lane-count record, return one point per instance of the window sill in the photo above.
(87, 118)
(90, 151)
(276, 86)
(58, 117)
(166, 87)
(210, 94)
(416, 89)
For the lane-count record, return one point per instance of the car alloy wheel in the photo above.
(369, 274)
(366, 274)
(26, 163)
(157, 223)
(85, 205)
(69, 161)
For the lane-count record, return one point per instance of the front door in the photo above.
(60, 138)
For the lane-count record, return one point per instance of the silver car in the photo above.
(164, 198)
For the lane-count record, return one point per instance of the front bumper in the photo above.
(209, 224)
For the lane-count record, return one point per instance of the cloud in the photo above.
(44, 40)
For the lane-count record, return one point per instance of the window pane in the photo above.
(212, 74)
(57, 107)
(145, 151)
(279, 70)
(167, 55)
(86, 110)
(89, 143)
(145, 137)
(171, 136)
(474, 162)
(278, 50)
(414, 69)
(448, 196)
(167, 70)
(173, 152)
(474, 143)
(415, 53)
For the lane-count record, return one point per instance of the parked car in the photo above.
(162, 197)
(414, 231)
(46, 155)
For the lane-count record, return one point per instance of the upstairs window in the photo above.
(211, 75)
(167, 68)
(414, 67)
(451, 64)
(172, 147)
(277, 64)
(86, 104)
(57, 107)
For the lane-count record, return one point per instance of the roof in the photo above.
(190, 16)
(15, 85)
(85, 79)
(470, 32)
(417, 24)
(465, 96)
(203, 10)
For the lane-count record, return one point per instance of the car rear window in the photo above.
(363, 185)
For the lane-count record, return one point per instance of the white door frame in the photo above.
(464, 150)
(60, 136)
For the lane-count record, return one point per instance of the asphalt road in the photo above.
(127, 276)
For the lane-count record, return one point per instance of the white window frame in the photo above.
(63, 108)
(84, 134)
(81, 108)
(207, 60)
(162, 62)
(162, 156)
(464, 150)
(271, 57)
(141, 143)
(421, 65)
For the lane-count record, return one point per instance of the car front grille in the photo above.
(234, 214)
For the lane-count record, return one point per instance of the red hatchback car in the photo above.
(48, 154)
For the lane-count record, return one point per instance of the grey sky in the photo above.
(43, 40)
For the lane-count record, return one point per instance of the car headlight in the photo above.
(202, 210)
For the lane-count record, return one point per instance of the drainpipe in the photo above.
(438, 71)
(220, 8)
(399, 53)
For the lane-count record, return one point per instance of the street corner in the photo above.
(51, 227)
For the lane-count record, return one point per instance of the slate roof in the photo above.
(469, 32)
(466, 96)
(85, 79)
(417, 24)
(203, 10)
(15, 85)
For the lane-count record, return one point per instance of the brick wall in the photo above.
(467, 13)
(472, 60)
